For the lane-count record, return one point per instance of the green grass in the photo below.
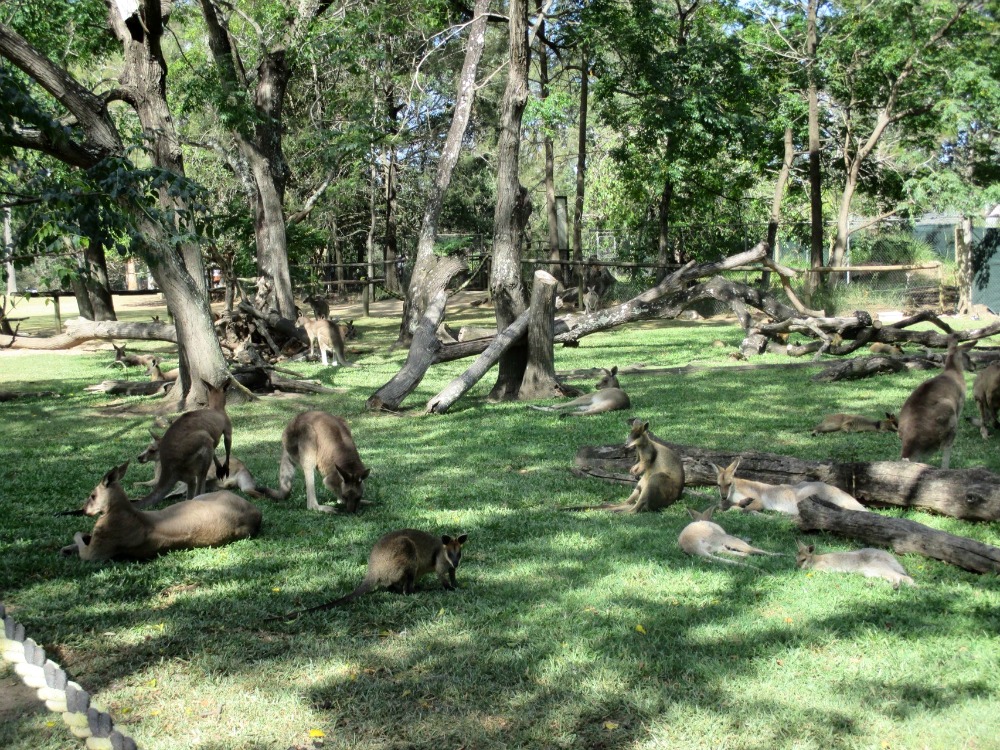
(539, 648)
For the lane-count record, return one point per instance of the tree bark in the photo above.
(540, 374)
(581, 172)
(98, 285)
(969, 494)
(779, 194)
(902, 535)
(963, 262)
(815, 173)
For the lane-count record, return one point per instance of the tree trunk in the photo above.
(963, 261)
(779, 194)
(540, 374)
(8, 252)
(902, 535)
(555, 268)
(815, 174)
(581, 172)
(663, 222)
(390, 240)
(969, 494)
(98, 285)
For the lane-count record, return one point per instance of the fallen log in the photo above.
(131, 387)
(969, 494)
(901, 535)
(80, 330)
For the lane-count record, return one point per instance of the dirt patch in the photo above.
(16, 698)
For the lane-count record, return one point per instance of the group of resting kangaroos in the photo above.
(185, 452)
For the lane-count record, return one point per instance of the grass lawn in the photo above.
(569, 630)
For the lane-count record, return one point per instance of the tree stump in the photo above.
(539, 379)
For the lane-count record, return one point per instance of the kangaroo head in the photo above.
(301, 321)
(348, 486)
(119, 351)
(890, 423)
(453, 549)
(724, 478)
(106, 491)
(637, 434)
(216, 396)
(804, 554)
(704, 515)
(958, 357)
(152, 452)
(609, 379)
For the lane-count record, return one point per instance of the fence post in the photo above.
(940, 270)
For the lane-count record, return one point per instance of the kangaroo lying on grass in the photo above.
(123, 532)
(608, 396)
(317, 440)
(660, 472)
(986, 391)
(131, 360)
(856, 423)
(398, 560)
(155, 373)
(187, 448)
(783, 498)
(239, 475)
(870, 562)
(929, 418)
(705, 538)
(326, 335)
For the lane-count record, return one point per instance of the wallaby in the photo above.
(880, 347)
(123, 532)
(239, 475)
(187, 448)
(608, 396)
(704, 538)
(660, 472)
(590, 300)
(155, 373)
(347, 330)
(317, 440)
(870, 562)
(783, 498)
(131, 360)
(321, 308)
(930, 416)
(856, 423)
(398, 560)
(986, 391)
(325, 335)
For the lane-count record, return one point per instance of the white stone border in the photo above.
(60, 694)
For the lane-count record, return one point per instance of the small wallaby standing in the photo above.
(315, 439)
(131, 360)
(187, 448)
(930, 417)
(704, 538)
(155, 373)
(325, 335)
(856, 423)
(590, 300)
(870, 562)
(986, 391)
(398, 560)
(124, 532)
(608, 396)
(321, 308)
(783, 498)
(239, 475)
(660, 471)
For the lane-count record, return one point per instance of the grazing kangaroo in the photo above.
(123, 532)
(315, 439)
(704, 538)
(986, 391)
(856, 423)
(131, 360)
(783, 498)
(660, 472)
(239, 475)
(326, 336)
(608, 396)
(930, 416)
(870, 562)
(187, 448)
(321, 308)
(155, 373)
(590, 300)
(398, 560)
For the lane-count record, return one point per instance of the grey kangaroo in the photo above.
(870, 562)
(317, 440)
(187, 448)
(591, 301)
(398, 560)
(124, 532)
(856, 423)
(326, 335)
(239, 475)
(930, 417)
(131, 360)
(986, 391)
(156, 373)
(705, 538)
(608, 396)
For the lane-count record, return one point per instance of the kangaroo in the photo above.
(608, 396)
(131, 360)
(326, 336)
(155, 373)
(856, 423)
(929, 417)
(187, 448)
(660, 472)
(315, 439)
(123, 532)
(986, 391)
(590, 300)
(704, 538)
(873, 563)
(239, 475)
(347, 330)
(880, 347)
(783, 498)
(398, 560)
(321, 308)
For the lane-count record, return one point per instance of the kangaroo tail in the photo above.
(727, 561)
(613, 507)
(542, 408)
(363, 588)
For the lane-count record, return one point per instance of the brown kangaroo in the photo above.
(986, 391)
(607, 396)
(783, 498)
(705, 538)
(929, 419)
(590, 300)
(856, 423)
(398, 560)
(660, 472)
(870, 562)
(326, 336)
(131, 360)
(880, 347)
(317, 440)
(123, 532)
(155, 373)
(321, 308)
(239, 475)
(187, 448)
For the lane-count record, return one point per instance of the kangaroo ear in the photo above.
(645, 427)
(801, 546)
(462, 539)
(114, 475)
(695, 515)
(153, 435)
(614, 370)
(445, 540)
(364, 474)
(731, 469)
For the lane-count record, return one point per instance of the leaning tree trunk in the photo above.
(581, 171)
(779, 194)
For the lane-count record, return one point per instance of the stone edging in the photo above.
(59, 693)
